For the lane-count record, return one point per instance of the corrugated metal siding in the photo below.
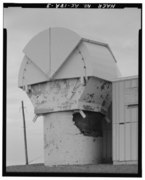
(125, 121)
(107, 138)
(107, 142)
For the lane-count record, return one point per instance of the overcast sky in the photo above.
(117, 27)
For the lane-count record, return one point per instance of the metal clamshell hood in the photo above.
(48, 50)
(58, 53)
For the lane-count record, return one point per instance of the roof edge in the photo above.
(126, 78)
(101, 44)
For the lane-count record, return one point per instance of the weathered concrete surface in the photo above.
(65, 144)
(71, 94)
(56, 95)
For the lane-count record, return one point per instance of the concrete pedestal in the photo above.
(65, 144)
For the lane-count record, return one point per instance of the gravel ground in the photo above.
(100, 168)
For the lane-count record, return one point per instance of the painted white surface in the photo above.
(64, 144)
(30, 73)
(125, 121)
(103, 63)
(98, 61)
(73, 67)
(50, 48)
(61, 53)
(37, 50)
(63, 41)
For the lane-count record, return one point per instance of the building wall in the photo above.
(107, 142)
(125, 121)
(65, 144)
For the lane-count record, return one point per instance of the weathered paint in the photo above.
(71, 94)
(65, 144)
(56, 95)
(125, 121)
(97, 93)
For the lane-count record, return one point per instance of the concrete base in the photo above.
(65, 144)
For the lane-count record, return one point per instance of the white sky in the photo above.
(117, 27)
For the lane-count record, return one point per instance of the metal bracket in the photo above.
(35, 118)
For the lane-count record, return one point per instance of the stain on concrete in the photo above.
(88, 108)
(104, 102)
(68, 94)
